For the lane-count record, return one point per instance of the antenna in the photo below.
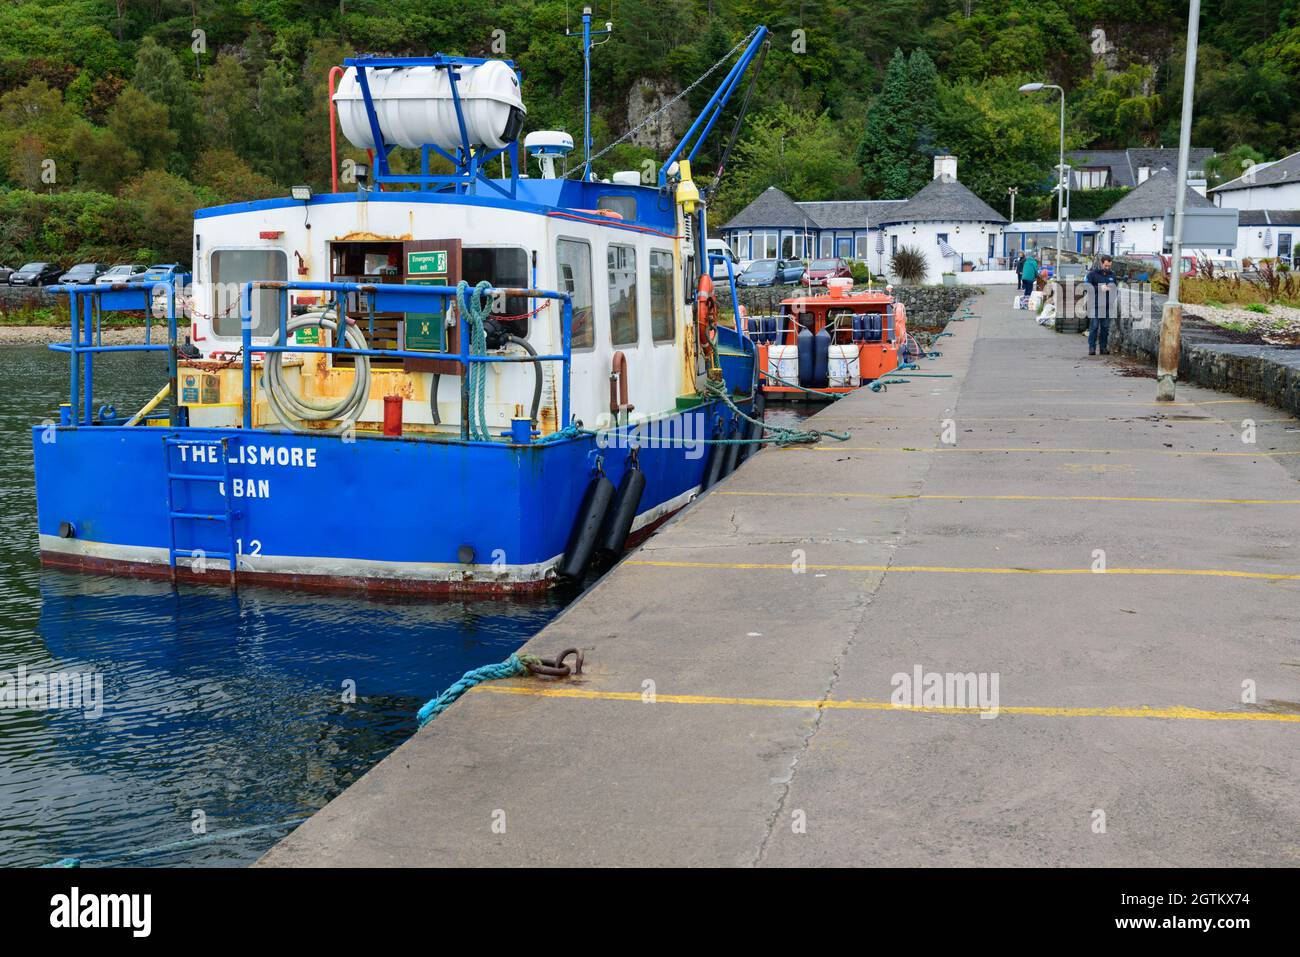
(587, 34)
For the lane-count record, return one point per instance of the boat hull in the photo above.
(318, 512)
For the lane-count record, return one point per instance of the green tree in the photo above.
(158, 75)
(1000, 137)
(279, 126)
(806, 154)
(227, 105)
(897, 140)
(141, 124)
(166, 206)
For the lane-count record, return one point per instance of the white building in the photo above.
(1136, 224)
(953, 228)
(1268, 198)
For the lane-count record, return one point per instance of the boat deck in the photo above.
(772, 739)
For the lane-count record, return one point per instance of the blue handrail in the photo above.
(85, 307)
(392, 297)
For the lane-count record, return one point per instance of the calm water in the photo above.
(228, 704)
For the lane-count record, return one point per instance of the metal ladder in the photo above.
(173, 516)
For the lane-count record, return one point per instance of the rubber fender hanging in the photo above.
(821, 376)
(804, 340)
(591, 516)
(618, 524)
(732, 458)
(754, 431)
(713, 468)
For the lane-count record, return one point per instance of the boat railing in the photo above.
(87, 305)
(840, 326)
(392, 297)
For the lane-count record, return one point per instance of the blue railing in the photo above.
(383, 297)
(86, 306)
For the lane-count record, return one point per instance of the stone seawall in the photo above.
(925, 305)
(1210, 358)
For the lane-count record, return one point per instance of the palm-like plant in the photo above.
(909, 265)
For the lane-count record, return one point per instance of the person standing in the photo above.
(1103, 303)
(1029, 273)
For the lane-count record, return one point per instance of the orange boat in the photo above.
(831, 343)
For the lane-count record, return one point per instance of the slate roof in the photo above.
(1124, 164)
(772, 208)
(1268, 217)
(1285, 170)
(848, 214)
(1152, 199)
(944, 200)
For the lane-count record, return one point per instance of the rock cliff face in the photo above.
(660, 134)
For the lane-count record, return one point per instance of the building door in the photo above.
(844, 248)
(1284, 247)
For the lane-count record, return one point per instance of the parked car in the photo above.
(771, 272)
(819, 270)
(717, 247)
(82, 274)
(119, 273)
(36, 274)
(157, 273)
(5, 273)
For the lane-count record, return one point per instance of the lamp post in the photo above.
(1060, 170)
(1171, 317)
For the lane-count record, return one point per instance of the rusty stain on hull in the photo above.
(363, 236)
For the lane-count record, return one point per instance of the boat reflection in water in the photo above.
(221, 710)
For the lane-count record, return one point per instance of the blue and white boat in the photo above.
(529, 369)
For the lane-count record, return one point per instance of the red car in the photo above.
(819, 270)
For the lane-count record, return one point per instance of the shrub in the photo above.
(909, 265)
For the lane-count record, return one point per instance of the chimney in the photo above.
(945, 168)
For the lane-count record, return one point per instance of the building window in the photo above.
(229, 270)
(1095, 178)
(862, 245)
(621, 262)
(893, 244)
(827, 245)
(573, 269)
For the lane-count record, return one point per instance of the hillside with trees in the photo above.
(119, 117)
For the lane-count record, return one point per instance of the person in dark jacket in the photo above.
(1103, 303)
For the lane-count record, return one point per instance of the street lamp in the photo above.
(1060, 182)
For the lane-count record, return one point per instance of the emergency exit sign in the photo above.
(432, 262)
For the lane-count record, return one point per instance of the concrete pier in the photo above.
(1127, 573)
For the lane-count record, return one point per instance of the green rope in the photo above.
(173, 845)
(783, 435)
(513, 667)
(476, 308)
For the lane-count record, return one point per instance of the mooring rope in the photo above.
(513, 667)
(172, 845)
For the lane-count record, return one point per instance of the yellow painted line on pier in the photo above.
(966, 570)
(1038, 451)
(1023, 498)
(1176, 712)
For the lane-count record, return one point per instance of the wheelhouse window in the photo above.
(505, 267)
(662, 327)
(625, 206)
(573, 269)
(229, 270)
(621, 262)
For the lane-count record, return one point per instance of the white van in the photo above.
(717, 247)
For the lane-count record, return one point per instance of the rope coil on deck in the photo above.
(292, 409)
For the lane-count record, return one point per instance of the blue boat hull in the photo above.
(315, 511)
